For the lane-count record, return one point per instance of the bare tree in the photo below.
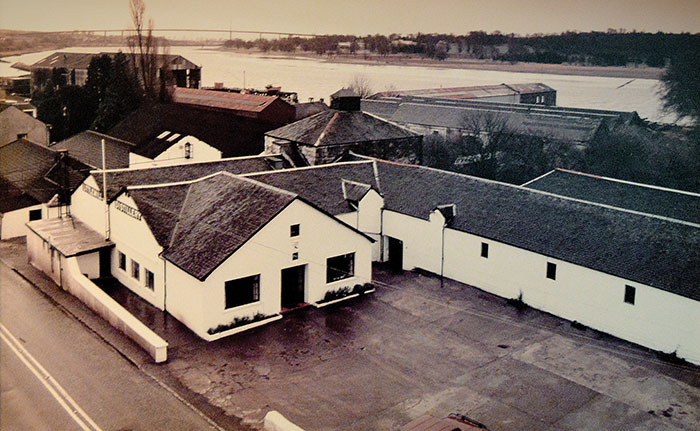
(360, 84)
(146, 50)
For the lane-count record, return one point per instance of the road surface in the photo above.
(57, 375)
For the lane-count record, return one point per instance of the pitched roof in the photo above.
(307, 109)
(87, 147)
(623, 194)
(217, 215)
(223, 99)
(122, 178)
(569, 128)
(80, 60)
(231, 134)
(322, 185)
(33, 169)
(13, 198)
(474, 92)
(335, 127)
(636, 247)
(345, 92)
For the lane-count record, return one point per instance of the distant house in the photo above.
(455, 118)
(87, 147)
(532, 93)
(74, 67)
(175, 133)
(16, 124)
(328, 135)
(35, 183)
(20, 102)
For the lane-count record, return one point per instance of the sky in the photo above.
(362, 17)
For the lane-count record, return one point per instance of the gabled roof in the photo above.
(32, 168)
(644, 249)
(122, 178)
(80, 60)
(13, 198)
(217, 215)
(344, 92)
(322, 185)
(474, 92)
(223, 99)
(231, 134)
(644, 198)
(87, 147)
(335, 127)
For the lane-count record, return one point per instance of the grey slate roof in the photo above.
(31, 168)
(637, 197)
(217, 216)
(335, 127)
(644, 249)
(322, 185)
(117, 180)
(87, 147)
(80, 60)
(229, 133)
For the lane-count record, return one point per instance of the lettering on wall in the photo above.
(126, 209)
(92, 191)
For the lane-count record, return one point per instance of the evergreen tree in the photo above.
(121, 96)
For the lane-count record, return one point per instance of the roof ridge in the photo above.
(179, 217)
(227, 159)
(354, 162)
(634, 183)
(538, 178)
(264, 185)
(94, 132)
(325, 129)
(175, 183)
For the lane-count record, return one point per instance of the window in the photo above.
(340, 267)
(188, 150)
(122, 261)
(484, 250)
(35, 214)
(295, 255)
(242, 291)
(135, 270)
(294, 230)
(629, 294)
(552, 270)
(150, 279)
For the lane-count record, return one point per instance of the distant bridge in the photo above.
(231, 32)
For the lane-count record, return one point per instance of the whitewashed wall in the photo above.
(14, 222)
(368, 220)
(658, 320)
(267, 253)
(87, 205)
(133, 237)
(175, 154)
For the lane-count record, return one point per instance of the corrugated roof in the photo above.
(120, 179)
(623, 194)
(217, 216)
(223, 99)
(69, 236)
(87, 147)
(474, 92)
(335, 127)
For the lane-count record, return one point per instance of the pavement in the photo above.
(418, 346)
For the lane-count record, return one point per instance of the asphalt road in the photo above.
(76, 369)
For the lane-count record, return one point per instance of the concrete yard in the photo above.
(415, 348)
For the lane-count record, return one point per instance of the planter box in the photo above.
(237, 329)
(334, 301)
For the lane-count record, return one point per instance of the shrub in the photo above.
(238, 321)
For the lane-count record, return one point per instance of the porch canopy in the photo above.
(69, 236)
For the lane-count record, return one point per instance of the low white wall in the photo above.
(14, 222)
(79, 286)
(274, 421)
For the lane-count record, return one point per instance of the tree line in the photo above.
(610, 48)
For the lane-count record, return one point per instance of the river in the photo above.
(318, 79)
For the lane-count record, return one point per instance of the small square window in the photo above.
(35, 214)
(629, 294)
(122, 261)
(294, 230)
(551, 270)
(295, 255)
(150, 279)
(484, 250)
(135, 270)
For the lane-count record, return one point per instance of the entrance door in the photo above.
(293, 286)
(105, 262)
(395, 254)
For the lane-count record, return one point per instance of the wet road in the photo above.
(111, 391)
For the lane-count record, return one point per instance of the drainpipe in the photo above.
(165, 288)
(104, 194)
(381, 234)
(442, 255)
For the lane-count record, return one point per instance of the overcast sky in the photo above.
(362, 17)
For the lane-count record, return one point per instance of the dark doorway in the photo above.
(105, 262)
(395, 254)
(293, 286)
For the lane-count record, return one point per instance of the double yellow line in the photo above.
(68, 404)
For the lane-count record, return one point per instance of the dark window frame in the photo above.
(32, 214)
(236, 295)
(551, 270)
(121, 262)
(340, 267)
(630, 294)
(135, 270)
(294, 230)
(485, 250)
(149, 279)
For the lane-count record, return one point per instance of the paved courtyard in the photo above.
(414, 348)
